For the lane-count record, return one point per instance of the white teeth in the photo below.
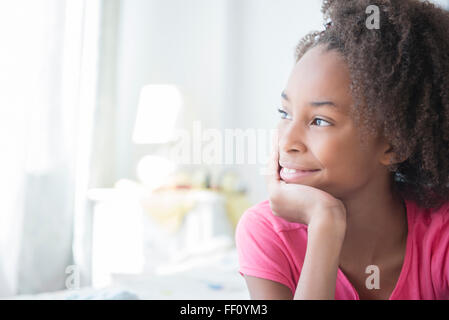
(287, 170)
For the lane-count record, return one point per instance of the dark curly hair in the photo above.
(400, 85)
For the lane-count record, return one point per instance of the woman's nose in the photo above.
(291, 140)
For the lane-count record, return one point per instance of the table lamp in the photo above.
(158, 110)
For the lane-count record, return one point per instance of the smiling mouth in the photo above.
(292, 175)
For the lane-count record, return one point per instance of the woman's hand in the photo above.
(300, 203)
(326, 219)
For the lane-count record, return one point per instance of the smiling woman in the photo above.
(348, 189)
(316, 131)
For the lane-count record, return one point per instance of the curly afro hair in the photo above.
(400, 85)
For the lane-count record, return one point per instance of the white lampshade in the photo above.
(157, 113)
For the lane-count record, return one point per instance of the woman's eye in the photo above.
(319, 120)
(284, 115)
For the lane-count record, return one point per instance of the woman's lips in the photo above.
(291, 177)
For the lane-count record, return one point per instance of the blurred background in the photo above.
(127, 134)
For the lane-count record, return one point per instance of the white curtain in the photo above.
(48, 76)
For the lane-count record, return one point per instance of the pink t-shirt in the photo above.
(272, 248)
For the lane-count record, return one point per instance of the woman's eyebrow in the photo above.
(322, 103)
(313, 103)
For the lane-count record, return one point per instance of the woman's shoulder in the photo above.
(430, 242)
(429, 215)
(429, 221)
(261, 214)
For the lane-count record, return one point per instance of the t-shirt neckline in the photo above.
(405, 264)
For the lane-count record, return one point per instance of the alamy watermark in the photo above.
(72, 281)
(373, 280)
(222, 147)
(373, 20)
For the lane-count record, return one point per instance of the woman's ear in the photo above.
(389, 159)
(388, 156)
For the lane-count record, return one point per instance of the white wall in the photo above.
(230, 57)
(170, 41)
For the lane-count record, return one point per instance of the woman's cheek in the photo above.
(343, 167)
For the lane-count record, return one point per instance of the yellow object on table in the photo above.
(236, 205)
(168, 207)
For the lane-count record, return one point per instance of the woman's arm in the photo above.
(319, 271)
(325, 216)
(264, 289)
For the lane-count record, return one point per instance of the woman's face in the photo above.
(317, 132)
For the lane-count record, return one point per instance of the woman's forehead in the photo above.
(320, 75)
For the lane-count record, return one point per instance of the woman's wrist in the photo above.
(329, 221)
(330, 216)
(326, 232)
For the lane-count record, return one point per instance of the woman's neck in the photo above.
(376, 223)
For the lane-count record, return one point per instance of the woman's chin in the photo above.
(296, 182)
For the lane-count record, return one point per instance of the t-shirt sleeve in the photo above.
(261, 252)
